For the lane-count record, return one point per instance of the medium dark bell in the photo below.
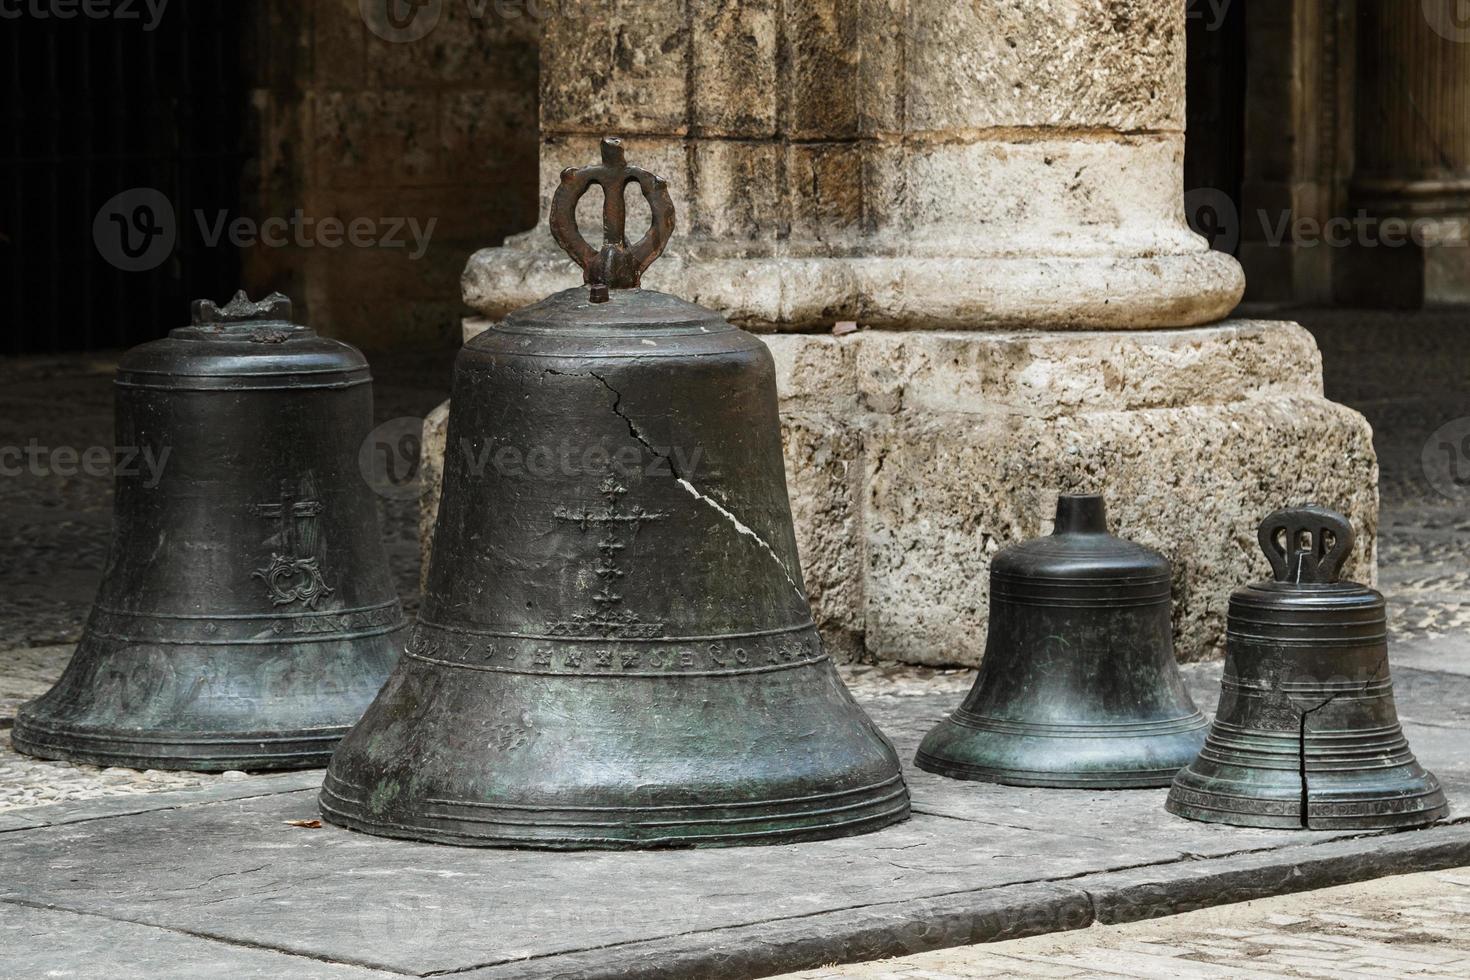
(615, 648)
(1306, 734)
(1079, 687)
(246, 616)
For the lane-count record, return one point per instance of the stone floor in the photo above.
(236, 876)
(1406, 926)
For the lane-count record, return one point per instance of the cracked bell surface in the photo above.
(1306, 734)
(615, 648)
(246, 616)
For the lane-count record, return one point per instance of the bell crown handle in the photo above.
(616, 265)
(1306, 544)
(274, 308)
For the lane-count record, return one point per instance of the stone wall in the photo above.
(351, 125)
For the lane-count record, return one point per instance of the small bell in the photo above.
(246, 615)
(615, 648)
(1306, 733)
(1079, 687)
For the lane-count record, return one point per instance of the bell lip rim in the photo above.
(881, 804)
(771, 838)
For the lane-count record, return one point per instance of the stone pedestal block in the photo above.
(913, 457)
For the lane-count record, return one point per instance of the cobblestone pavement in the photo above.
(1409, 374)
(1407, 926)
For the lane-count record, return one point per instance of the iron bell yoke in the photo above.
(246, 615)
(1079, 687)
(1306, 733)
(615, 647)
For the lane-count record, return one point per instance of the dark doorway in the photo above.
(1214, 139)
(120, 129)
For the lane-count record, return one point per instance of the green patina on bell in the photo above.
(1306, 734)
(246, 616)
(1079, 687)
(615, 648)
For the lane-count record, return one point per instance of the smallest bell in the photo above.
(1306, 733)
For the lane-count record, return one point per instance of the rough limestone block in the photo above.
(974, 65)
(824, 469)
(431, 472)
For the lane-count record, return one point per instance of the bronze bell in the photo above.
(1306, 733)
(615, 648)
(246, 616)
(1079, 687)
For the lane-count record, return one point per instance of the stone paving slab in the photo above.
(978, 862)
(91, 946)
(1410, 925)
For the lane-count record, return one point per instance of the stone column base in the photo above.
(914, 456)
(1176, 281)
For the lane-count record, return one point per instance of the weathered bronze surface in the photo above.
(246, 616)
(1079, 686)
(1306, 734)
(615, 648)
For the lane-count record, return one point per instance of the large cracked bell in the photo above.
(615, 648)
(246, 616)
(1306, 733)
(1079, 687)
